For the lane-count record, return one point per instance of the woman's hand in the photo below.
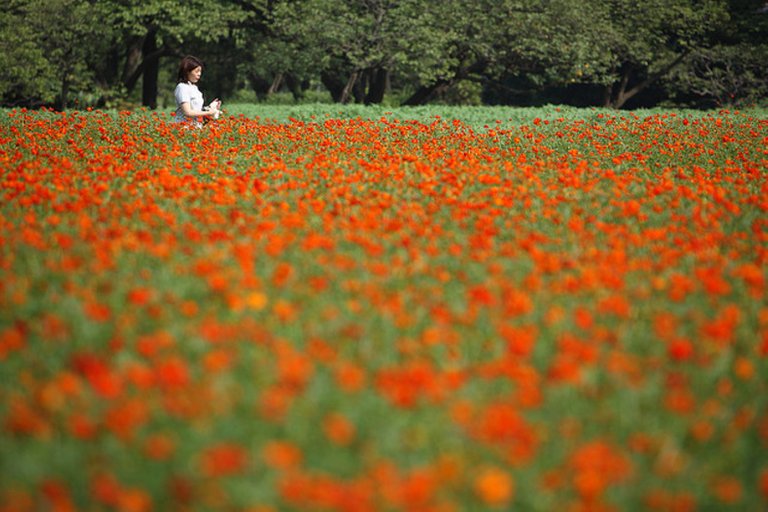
(215, 108)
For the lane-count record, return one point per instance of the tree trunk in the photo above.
(64, 93)
(361, 85)
(260, 86)
(276, 84)
(333, 84)
(108, 76)
(619, 90)
(151, 60)
(295, 86)
(132, 63)
(345, 93)
(607, 94)
(621, 95)
(377, 86)
(426, 92)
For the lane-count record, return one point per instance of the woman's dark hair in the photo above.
(186, 65)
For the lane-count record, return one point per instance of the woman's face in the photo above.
(194, 75)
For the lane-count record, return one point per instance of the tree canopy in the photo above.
(616, 53)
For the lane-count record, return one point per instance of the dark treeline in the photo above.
(614, 53)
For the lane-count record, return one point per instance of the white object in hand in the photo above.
(215, 106)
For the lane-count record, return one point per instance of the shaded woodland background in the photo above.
(615, 53)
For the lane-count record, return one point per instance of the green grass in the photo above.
(477, 116)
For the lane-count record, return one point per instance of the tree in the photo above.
(703, 51)
(626, 46)
(269, 57)
(152, 29)
(40, 64)
(351, 43)
(360, 46)
(476, 42)
(731, 70)
(27, 76)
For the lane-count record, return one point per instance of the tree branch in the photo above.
(163, 51)
(626, 95)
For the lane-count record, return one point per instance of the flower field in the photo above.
(379, 313)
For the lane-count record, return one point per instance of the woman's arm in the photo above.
(186, 108)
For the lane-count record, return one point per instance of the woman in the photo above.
(189, 99)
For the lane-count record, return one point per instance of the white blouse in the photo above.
(187, 93)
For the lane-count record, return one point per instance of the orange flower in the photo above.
(680, 349)
(218, 361)
(284, 310)
(58, 496)
(124, 418)
(97, 312)
(101, 378)
(134, 500)
(744, 368)
(140, 375)
(11, 339)
(139, 296)
(282, 274)
(617, 305)
(256, 301)
(274, 402)
(597, 465)
(680, 286)
(728, 490)
(281, 455)
(565, 368)
(105, 489)
(763, 483)
(417, 489)
(502, 424)
(713, 281)
(403, 386)
(680, 401)
(224, 459)
(338, 429)
(494, 486)
(520, 340)
(81, 426)
(294, 368)
(172, 373)
(151, 344)
(159, 446)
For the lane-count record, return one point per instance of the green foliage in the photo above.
(207, 20)
(732, 71)
(362, 33)
(704, 52)
(463, 93)
(625, 45)
(726, 75)
(42, 63)
(26, 74)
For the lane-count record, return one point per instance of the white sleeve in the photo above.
(182, 95)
